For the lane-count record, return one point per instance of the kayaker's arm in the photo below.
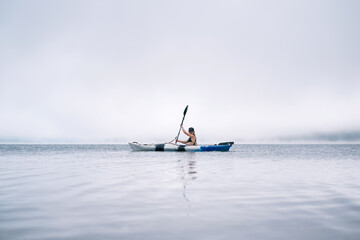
(184, 142)
(190, 135)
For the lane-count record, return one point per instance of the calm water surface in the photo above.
(110, 192)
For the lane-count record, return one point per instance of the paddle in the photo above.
(181, 123)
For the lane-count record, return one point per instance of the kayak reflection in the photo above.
(188, 174)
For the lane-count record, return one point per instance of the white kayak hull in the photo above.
(180, 148)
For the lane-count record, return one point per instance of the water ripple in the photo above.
(110, 192)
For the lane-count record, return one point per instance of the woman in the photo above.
(191, 134)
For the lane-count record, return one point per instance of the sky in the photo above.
(119, 71)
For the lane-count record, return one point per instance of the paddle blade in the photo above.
(186, 109)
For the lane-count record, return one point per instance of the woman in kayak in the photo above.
(191, 134)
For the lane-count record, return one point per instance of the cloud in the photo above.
(125, 70)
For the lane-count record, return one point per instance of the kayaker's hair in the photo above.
(191, 129)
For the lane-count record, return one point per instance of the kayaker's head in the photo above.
(191, 130)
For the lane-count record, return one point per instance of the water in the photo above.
(110, 192)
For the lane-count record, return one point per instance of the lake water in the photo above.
(110, 192)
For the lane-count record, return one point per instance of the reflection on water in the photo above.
(187, 167)
(110, 192)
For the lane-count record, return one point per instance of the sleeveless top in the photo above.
(189, 140)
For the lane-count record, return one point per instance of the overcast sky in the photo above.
(125, 70)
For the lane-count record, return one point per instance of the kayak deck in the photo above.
(223, 147)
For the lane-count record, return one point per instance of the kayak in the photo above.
(223, 147)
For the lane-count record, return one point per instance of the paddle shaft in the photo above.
(181, 124)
